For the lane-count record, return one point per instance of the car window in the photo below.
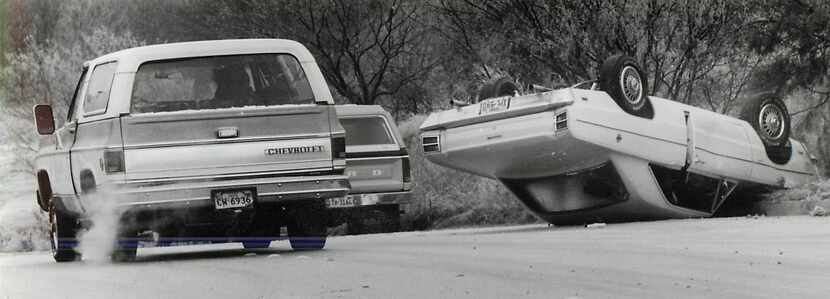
(98, 88)
(366, 131)
(220, 82)
(76, 97)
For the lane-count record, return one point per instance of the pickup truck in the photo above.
(217, 141)
(611, 153)
(377, 164)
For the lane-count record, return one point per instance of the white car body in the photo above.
(543, 145)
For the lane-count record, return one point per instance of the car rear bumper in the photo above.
(194, 193)
(370, 199)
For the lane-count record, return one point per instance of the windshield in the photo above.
(220, 82)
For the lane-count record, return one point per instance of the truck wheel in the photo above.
(63, 233)
(623, 79)
(307, 228)
(768, 115)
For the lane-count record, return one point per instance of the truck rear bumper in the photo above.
(154, 194)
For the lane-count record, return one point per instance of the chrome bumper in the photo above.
(197, 193)
(370, 199)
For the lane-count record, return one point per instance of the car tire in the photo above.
(504, 86)
(768, 116)
(485, 92)
(307, 228)
(623, 79)
(63, 235)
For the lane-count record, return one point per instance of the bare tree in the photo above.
(680, 43)
(370, 51)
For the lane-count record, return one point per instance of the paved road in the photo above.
(786, 257)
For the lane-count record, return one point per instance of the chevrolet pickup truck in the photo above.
(377, 164)
(216, 141)
(611, 153)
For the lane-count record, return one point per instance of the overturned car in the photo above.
(611, 153)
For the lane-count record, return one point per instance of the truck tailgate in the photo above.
(286, 138)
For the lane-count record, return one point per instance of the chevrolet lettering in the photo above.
(293, 150)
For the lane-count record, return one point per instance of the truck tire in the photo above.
(307, 227)
(622, 78)
(768, 115)
(63, 232)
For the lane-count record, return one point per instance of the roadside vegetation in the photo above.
(413, 57)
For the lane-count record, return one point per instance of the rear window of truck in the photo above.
(220, 82)
(366, 131)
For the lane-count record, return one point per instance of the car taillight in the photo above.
(114, 161)
(431, 143)
(562, 120)
(338, 147)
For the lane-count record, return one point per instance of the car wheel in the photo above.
(504, 86)
(63, 234)
(485, 92)
(622, 78)
(307, 228)
(768, 115)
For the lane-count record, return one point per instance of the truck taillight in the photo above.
(338, 147)
(113, 161)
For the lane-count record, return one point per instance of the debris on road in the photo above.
(819, 211)
(595, 225)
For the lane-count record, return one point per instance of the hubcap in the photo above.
(632, 87)
(771, 121)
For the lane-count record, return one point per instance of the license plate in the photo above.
(233, 199)
(343, 202)
(494, 105)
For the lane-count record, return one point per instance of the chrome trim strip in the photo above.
(379, 158)
(214, 177)
(224, 141)
(230, 166)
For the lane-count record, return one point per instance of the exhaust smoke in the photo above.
(97, 243)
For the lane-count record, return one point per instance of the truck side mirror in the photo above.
(44, 120)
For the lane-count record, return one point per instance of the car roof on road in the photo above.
(130, 59)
